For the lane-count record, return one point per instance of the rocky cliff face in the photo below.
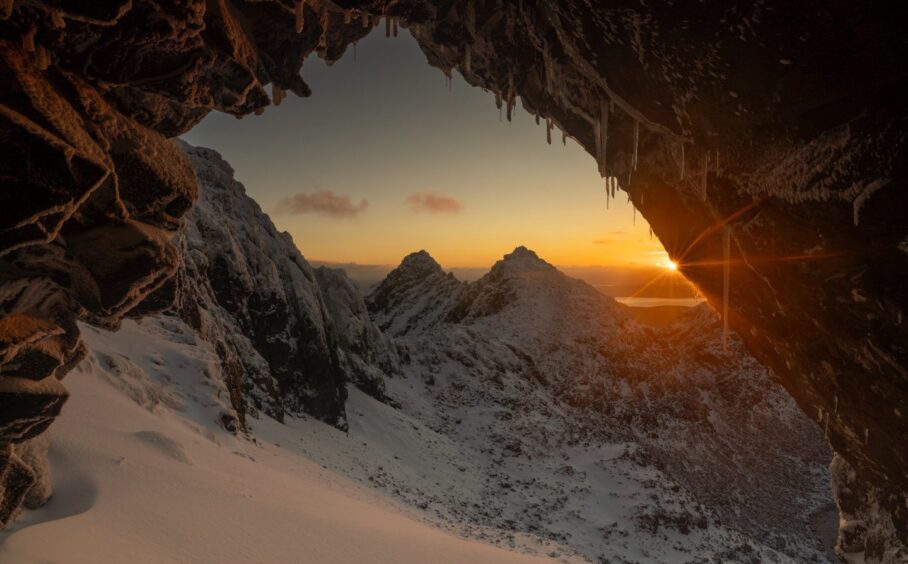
(768, 136)
(556, 394)
(289, 337)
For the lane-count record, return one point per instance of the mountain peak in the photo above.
(420, 262)
(522, 259)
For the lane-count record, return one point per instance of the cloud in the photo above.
(610, 240)
(433, 202)
(323, 202)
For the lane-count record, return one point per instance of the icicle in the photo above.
(259, 111)
(537, 119)
(548, 131)
(498, 99)
(394, 24)
(682, 160)
(636, 142)
(365, 19)
(602, 142)
(564, 138)
(387, 26)
(511, 95)
(300, 23)
(324, 20)
(634, 220)
(726, 279)
(650, 232)
(354, 51)
(277, 94)
(466, 60)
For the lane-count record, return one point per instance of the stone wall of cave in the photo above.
(769, 136)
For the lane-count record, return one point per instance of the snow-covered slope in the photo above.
(146, 474)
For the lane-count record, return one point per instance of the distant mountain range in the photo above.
(645, 282)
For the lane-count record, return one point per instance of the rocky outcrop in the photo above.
(775, 130)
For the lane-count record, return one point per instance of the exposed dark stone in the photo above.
(15, 480)
(28, 407)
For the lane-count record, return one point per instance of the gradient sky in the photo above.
(383, 160)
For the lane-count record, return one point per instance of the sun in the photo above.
(670, 265)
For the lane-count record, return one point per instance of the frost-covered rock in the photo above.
(367, 357)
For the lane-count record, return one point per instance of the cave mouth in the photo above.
(813, 167)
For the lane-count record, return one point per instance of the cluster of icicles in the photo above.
(392, 26)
